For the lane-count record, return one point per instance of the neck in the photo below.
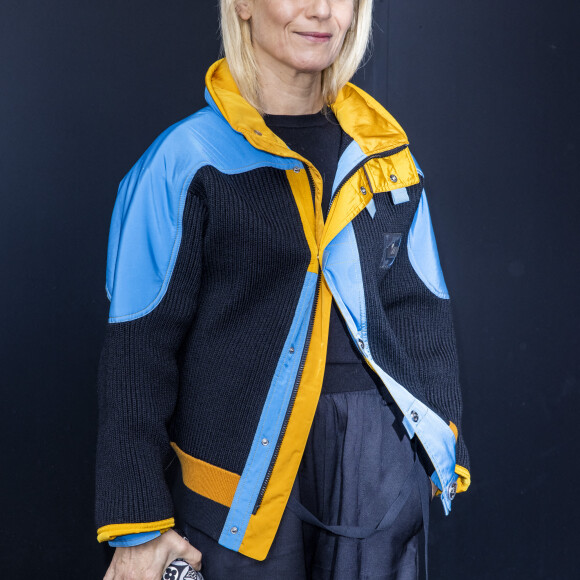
(289, 92)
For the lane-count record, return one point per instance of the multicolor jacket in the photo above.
(221, 273)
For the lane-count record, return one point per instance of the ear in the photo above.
(244, 9)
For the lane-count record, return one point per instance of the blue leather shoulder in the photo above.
(146, 226)
(422, 250)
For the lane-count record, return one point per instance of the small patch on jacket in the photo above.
(390, 250)
(399, 195)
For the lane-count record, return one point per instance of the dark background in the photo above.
(488, 93)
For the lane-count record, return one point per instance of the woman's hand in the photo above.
(433, 490)
(148, 561)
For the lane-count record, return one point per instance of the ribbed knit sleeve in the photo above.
(137, 391)
(427, 322)
(428, 316)
(410, 325)
(422, 320)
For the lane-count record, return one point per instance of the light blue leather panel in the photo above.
(270, 425)
(342, 272)
(351, 157)
(422, 250)
(436, 436)
(146, 227)
(399, 195)
(130, 540)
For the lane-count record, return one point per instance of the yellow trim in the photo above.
(346, 206)
(263, 526)
(454, 429)
(112, 531)
(374, 177)
(464, 480)
(401, 165)
(206, 479)
(366, 121)
(303, 197)
(240, 115)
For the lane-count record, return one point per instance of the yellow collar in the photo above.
(360, 116)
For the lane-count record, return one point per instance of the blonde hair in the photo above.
(238, 50)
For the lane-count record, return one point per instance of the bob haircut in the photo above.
(239, 53)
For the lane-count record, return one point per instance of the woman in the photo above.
(274, 246)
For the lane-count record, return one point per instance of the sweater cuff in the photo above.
(464, 480)
(131, 540)
(112, 531)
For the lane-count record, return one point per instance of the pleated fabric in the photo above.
(357, 458)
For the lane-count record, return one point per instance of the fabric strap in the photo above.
(362, 532)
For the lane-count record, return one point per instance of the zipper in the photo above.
(361, 164)
(292, 398)
(298, 375)
(310, 327)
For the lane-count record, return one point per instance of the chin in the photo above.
(311, 66)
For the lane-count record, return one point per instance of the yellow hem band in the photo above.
(206, 479)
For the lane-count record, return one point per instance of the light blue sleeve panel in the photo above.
(146, 227)
(131, 540)
(422, 250)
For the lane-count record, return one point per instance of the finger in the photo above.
(188, 553)
(194, 558)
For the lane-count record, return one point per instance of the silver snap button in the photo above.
(265, 442)
(291, 351)
(414, 416)
(452, 490)
(297, 170)
(361, 343)
(394, 178)
(363, 190)
(234, 530)
(257, 132)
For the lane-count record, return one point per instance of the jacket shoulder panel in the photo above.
(422, 251)
(146, 227)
